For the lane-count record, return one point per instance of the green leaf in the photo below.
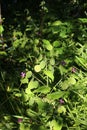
(64, 85)
(55, 95)
(43, 89)
(61, 109)
(62, 70)
(28, 74)
(25, 80)
(63, 34)
(83, 20)
(56, 43)
(41, 103)
(81, 62)
(42, 64)
(49, 74)
(32, 84)
(36, 41)
(56, 125)
(3, 53)
(57, 23)
(1, 29)
(47, 45)
(31, 113)
(67, 83)
(37, 68)
(52, 61)
(72, 80)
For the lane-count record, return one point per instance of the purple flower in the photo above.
(20, 120)
(61, 101)
(23, 74)
(73, 70)
(63, 63)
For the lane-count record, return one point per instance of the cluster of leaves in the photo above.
(43, 78)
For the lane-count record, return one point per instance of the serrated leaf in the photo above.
(49, 74)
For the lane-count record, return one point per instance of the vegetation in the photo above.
(43, 65)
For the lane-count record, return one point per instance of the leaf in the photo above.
(83, 20)
(32, 113)
(32, 84)
(72, 80)
(67, 83)
(56, 43)
(47, 45)
(81, 62)
(63, 34)
(61, 109)
(52, 61)
(1, 29)
(57, 23)
(62, 70)
(37, 68)
(43, 89)
(28, 74)
(25, 80)
(56, 125)
(42, 64)
(41, 104)
(49, 74)
(55, 95)
(3, 53)
(36, 41)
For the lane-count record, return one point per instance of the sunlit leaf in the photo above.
(56, 125)
(25, 80)
(49, 74)
(47, 45)
(55, 95)
(61, 109)
(52, 61)
(42, 64)
(28, 74)
(57, 23)
(43, 89)
(37, 68)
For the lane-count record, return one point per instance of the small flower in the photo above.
(73, 70)
(61, 101)
(20, 120)
(23, 74)
(63, 63)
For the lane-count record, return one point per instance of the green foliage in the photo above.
(43, 77)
